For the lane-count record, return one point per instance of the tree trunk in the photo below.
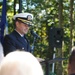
(59, 53)
(71, 23)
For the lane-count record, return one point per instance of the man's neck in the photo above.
(19, 33)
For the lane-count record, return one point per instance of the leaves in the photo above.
(45, 15)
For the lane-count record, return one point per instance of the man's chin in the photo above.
(25, 33)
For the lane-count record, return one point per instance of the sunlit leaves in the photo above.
(45, 14)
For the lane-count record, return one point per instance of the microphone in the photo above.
(35, 34)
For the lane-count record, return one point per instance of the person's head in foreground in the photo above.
(71, 64)
(20, 63)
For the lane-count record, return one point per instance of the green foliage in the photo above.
(45, 15)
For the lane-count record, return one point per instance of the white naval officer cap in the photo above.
(25, 18)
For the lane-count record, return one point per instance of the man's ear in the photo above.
(17, 23)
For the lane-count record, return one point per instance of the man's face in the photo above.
(22, 28)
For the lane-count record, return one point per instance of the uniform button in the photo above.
(22, 47)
